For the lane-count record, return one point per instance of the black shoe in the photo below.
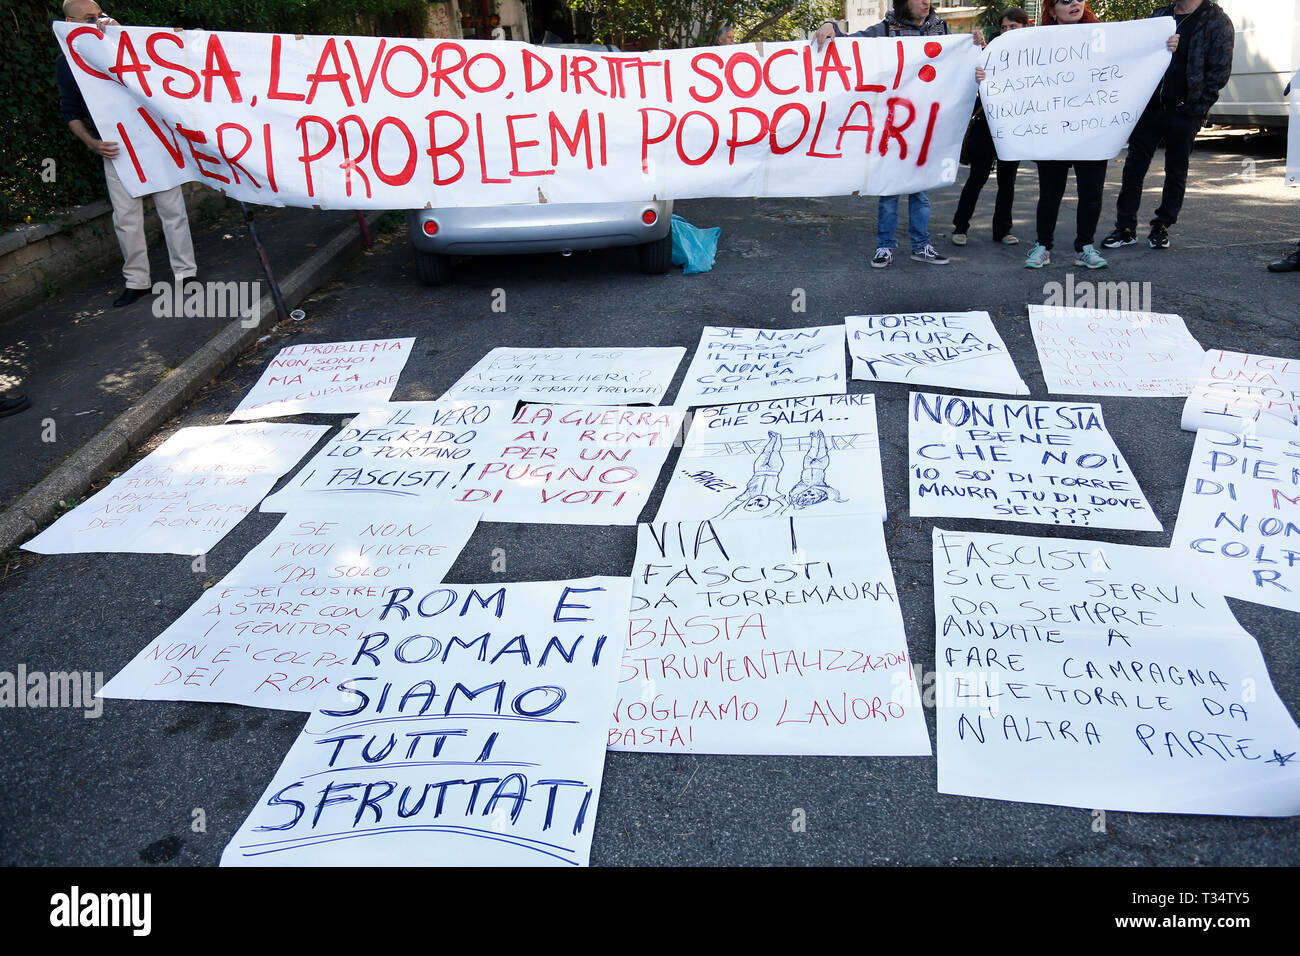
(13, 403)
(1119, 237)
(1290, 264)
(128, 296)
(1159, 238)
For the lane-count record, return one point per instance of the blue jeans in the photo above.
(918, 221)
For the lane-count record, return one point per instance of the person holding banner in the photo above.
(128, 211)
(982, 155)
(909, 18)
(1200, 68)
(1053, 175)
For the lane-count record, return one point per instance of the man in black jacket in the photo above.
(1199, 69)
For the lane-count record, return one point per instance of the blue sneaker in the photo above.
(1038, 257)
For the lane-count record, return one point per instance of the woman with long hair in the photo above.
(1053, 175)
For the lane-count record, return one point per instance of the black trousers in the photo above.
(982, 156)
(1090, 177)
(1178, 131)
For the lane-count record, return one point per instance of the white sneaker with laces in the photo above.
(1038, 257)
(1089, 258)
(959, 238)
(882, 258)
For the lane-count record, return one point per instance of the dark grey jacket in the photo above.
(1209, 56)
(933, 26)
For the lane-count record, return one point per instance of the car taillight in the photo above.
(430, 227)
(649, 217)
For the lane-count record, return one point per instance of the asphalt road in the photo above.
(122, 789)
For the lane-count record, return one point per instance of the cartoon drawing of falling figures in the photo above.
(761, 498)
(812, 488)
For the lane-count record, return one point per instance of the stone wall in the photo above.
(37, 260)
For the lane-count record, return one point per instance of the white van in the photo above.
(1265, 57)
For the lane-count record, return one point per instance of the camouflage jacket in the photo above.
(1209, 56)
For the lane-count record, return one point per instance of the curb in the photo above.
(33, 509)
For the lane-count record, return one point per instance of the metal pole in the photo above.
(266, 264)
(365, 229)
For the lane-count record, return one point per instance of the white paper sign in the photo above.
(183, 497)
(573, 376)
(1245, 394)
(756, 365)
(816, 456)
(469, 735)
(948, 349)
(1101, 676)
(766, 637)
(1072, 91)
(1105, 352)
(358, 122)
(326, 378)
(289, 618)
(1040, 462)
(1240, 516)
(550, 464)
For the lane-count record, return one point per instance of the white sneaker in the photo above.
(959, 238)
(1038, 257)
(1010, 240)
(1089, 258)
(882, 258)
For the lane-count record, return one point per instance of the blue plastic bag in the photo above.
(694, 248)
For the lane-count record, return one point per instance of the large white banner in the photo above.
(1072, 92)
(549, 464)
(766, 637)
(1247, 394)
(574, 376)
(948, 349)
(1041, 462)
(385, 123)
(470, 734)
(755, 365)
(1240, 516)
(1102, 676)
(326, 378)
(820, 456)
(1106, 352)
(185, 496)
(289, 618)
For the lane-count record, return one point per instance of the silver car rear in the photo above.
(546, 227)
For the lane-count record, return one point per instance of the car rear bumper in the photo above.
(550, 227)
